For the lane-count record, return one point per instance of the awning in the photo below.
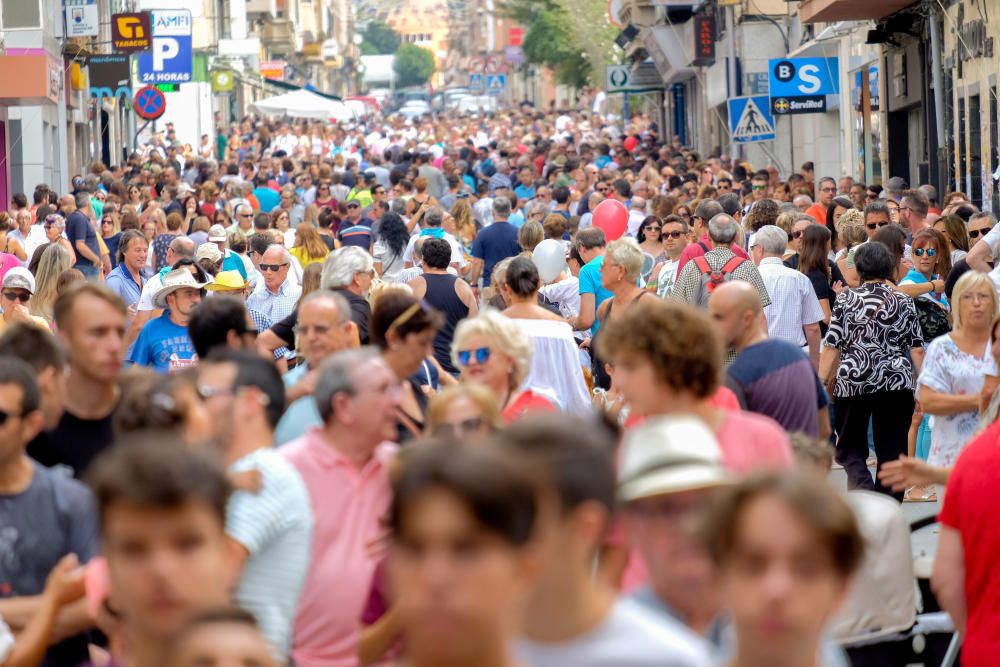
(284, 85)
(304, 104)
(828, 11)
(664, 43)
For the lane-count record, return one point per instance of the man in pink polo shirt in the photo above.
(344, 464)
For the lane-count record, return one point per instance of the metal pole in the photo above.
(731, 70)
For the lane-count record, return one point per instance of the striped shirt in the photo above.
(275, 526)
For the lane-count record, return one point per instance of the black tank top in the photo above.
(441, 296)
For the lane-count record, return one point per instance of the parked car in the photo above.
(477, 103)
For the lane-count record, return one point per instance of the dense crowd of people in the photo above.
(535, 389)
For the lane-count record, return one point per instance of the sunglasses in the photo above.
(798, 234)
(17, 296)
(272, 267)
(350, 206)
(975, 233)
(653, 230)
(673, 235)
(876, 225)
(920, 252)
(458, 429)
(4, 416)
(482, 355)
(759, 187)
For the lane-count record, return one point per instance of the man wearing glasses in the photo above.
(15, 295)
(825, 192)
(275, 296)
(913, 207)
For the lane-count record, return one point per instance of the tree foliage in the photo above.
(548, 42)
(379, 39)
(413, 65)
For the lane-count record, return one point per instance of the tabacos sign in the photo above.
(131, 32)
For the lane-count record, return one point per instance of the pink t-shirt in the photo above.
(348, 505)
(7, 262)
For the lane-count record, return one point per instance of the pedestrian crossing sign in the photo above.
(750, 119)
(495, 83)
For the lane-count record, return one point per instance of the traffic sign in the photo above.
(750, 119)
(494, 64)
(170, 60)
(495, 83)
(475, 81)
(149, 103)
(131, 32)
(616, 78)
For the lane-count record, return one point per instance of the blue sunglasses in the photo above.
(919, 252)
(482, 356)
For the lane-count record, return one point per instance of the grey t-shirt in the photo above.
(629, 637)
(53, 517)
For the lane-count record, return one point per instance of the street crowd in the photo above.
(534, 388)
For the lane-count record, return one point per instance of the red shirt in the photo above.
(695, 250)
(970, 508)
(527, 402)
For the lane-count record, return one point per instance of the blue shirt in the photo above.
(161, 342)
(590, 283)
(300, 415)
(78, 228)
(359, 234)
(267, 198)
(122, 283)
(524, 191)
(495, 244)
(517, 219)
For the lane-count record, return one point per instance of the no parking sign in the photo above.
(149, 103)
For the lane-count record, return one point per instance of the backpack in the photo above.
(711, 279)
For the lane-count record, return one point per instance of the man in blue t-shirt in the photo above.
(525, 188)
(356, 229)
(590, 244)
(266, 196)
(164, 343)
(495, 243)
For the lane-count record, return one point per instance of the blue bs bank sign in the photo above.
(800, 85)
(169, 59)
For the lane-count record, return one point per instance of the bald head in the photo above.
(736, 311)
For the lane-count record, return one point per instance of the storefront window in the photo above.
(867, 126)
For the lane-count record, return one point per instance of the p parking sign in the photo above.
(170, 59)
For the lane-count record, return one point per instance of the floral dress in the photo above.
(949, 370)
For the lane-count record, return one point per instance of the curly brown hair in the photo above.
(677, 339)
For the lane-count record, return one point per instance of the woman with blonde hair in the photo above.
(54, 261)
(309, 247)
(850, 234)
(491, 350)
(465, 226)
(530, 235)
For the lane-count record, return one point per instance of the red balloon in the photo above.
(631, 143)
(611, 217)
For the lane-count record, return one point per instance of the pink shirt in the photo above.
(348, 505)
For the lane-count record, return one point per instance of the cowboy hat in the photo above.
(173, 281)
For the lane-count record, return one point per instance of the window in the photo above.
(21, 14)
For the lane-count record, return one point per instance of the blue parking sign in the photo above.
(169, 60)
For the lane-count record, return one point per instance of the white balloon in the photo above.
(550, 258)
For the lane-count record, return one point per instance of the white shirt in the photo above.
(457, 254)
(34, 238)
(635, 218)
(555, 364)
(793, 301)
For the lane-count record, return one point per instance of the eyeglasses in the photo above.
(303, 330)
(877, 225)
(920, 252)
(482, 355)
(4, 416)
(828, 189)
(205, 392)
(975, 233)
(905, 208)
(272, 267)
(446, 430)
(17, 296)
(673, 235)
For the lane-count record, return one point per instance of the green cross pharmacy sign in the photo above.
(625, 79)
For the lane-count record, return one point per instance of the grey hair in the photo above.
(722, 228)
(983, 214)
(501, 208)
(56, 220)
(82, 199)
(285, 255)
(398, 206)
(336, 376)
(341, 265)
(772, 239)
(802, 199)
(434, 216)
(236, 209)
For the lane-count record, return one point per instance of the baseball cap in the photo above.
(216, 233)
(19, 278)
(896, 184)
(208, 251)
(669, 455)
